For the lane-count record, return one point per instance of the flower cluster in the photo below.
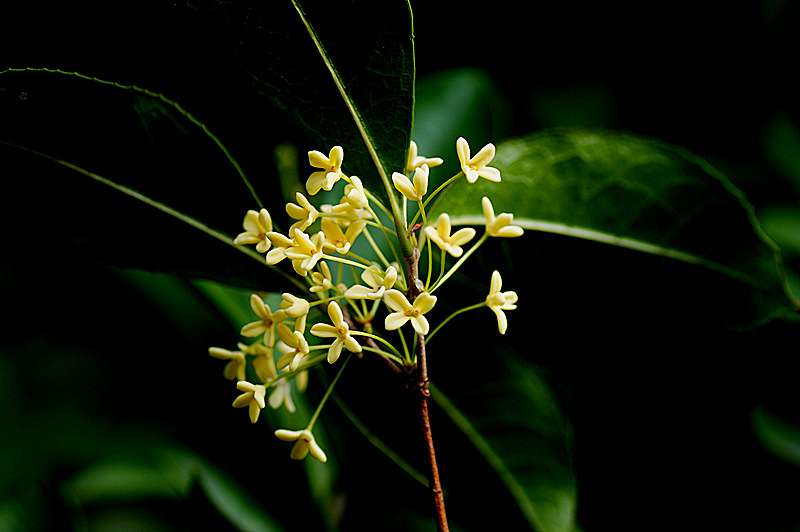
(351, 304)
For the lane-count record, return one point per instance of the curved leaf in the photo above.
(350, 84)
(512, 418)
(636, 193)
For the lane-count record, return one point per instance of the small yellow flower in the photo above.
(281, 395)
(339, 330)
(303, 212)
(267, 319)
(306, 251)
(338, 240)
(440, 235)
(256, 226)
(354, 193)
(347, 213)
(499, 301)
(305, 444)
(281, 243)
(294, 347)
(378, 283)
(235, 368)
(499, 225)
(322, 280)
(331, 169)
(414, 191)
(252, 397)
(474, 167)
(415, 161)
(405, 311)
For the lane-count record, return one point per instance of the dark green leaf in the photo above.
(512, 418)
(368, 52)
(631, 192)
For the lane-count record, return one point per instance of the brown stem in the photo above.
(420, 387)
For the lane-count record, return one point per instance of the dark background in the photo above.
(662, 409)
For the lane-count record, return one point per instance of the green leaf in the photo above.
(343, 70)
(631, 192)
(513, 420)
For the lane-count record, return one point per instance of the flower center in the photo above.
(412, 312)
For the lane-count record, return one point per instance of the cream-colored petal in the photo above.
(395, 300)
(462, 149)
(395, 320)
(424, 302)
(483, 157)
(323, 330)
(335, 350)
(420, 324)
(490, 173)
(318, 159)
(462, 236)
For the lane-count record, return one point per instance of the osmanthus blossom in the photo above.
(405, 311)
(302, 211)
(281, 243)
(499, 225)
(499, 301)
(377, 281)
(256, 226)
(439, 233)
(331, 169)
(339, 330)
(236, 366)
(293, 345)
(266, 322)
(253, 397)
(415, 160)
(338, 240)
(281, 395)
(475, 167)
(354, 194)
(415, 190)
(305, 252)
(322, 279)
(305, 444)
(346, 212)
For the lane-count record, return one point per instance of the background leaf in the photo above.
(275, 51)
(636, 193)
(513, 420)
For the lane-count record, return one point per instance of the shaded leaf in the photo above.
(367, 52)
(636, 193)
(513, 420)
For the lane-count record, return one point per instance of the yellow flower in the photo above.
(405, 311)
(499, 301)
(294, 347)
(339, 330)
(281, 395)
(331, 169)
(416, 190)
(305, 251)
(281, 243)
(266, 321)
(440, 234)
(252, 397)
(474, 167)
(322, 279)
(354, 193)
(499, 225)
(305, 444)
(256, 226)
(378, 283)
(338, 240)
(415, 161)
(235, 368)
(302, 211)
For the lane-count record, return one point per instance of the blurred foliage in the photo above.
(112, 415)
